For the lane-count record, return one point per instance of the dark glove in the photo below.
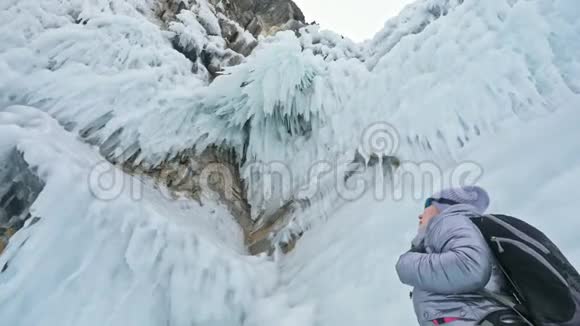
(418, 243)
(420, 248)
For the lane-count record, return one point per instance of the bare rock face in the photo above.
(262, 17)
(190, 174)
(214, 34)
(19, 188)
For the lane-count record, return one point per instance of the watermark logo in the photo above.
(379, 138)
(275, 183)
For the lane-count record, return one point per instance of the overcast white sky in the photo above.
(356, 19)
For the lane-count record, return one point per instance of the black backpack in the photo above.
(544, 285)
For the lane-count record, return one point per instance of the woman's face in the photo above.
(427, 215)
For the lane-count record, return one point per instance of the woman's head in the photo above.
(474, 196)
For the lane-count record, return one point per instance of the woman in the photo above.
(450, 264)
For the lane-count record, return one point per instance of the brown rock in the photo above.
(262, 17)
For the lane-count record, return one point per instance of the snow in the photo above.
(488, 86)
(493, 64)
(207, 18)
(191, 34)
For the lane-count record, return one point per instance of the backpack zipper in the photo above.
(519, 234)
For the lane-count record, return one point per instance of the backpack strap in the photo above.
(506, 301)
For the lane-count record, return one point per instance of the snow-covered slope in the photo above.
(495, 82)
(477, 65)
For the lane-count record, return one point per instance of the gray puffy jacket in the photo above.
(456, 266)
